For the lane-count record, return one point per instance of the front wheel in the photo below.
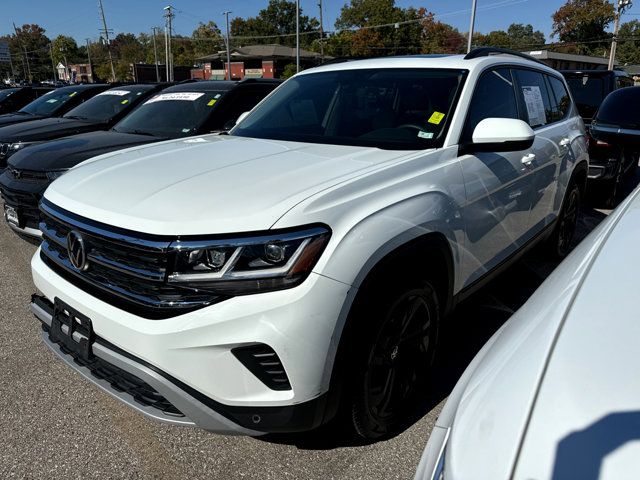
(395, 359)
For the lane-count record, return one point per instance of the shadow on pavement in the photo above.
(466, 331)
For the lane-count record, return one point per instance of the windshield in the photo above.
(5, 92)
(405, 109)
(621, 108)
(107, 104)
(170, 114)
(49, 103)
(588, 93)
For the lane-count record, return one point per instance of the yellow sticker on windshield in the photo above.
(436, 118)
(212, 102)
(124, 102)
(72, 94)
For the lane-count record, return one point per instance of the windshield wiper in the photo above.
(141, 132)
(76, 117)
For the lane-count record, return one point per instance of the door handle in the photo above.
(528, 158)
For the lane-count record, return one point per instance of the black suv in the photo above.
(54, 103)
(98, 113)
(183, 110)
(607, 161)
(12, 99)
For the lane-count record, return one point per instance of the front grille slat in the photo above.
(122, 270)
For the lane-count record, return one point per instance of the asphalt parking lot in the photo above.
(54, 424)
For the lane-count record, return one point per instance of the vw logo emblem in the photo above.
(77, 251)
(17, 174)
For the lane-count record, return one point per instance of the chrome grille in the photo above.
(27, 175)
(123, 268)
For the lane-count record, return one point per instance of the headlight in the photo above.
(55, 174)
(11, 148)
(252, 264)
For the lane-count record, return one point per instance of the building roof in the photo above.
(633, 70)
(570, 57)
(261, 51)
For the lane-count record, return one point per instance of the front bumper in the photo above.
(189, 361)
(24, 197)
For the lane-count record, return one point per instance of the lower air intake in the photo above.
(264, 363)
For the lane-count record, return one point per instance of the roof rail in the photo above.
(486, 51)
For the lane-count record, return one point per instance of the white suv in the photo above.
(302, 265)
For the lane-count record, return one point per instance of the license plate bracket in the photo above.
(66, 321)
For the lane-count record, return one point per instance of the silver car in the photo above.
(555, 393)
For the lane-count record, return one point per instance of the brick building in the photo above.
(75, 73)
(253, 61)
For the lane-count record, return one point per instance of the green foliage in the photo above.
(439, 37)
(276, 22)
(584, 23)
(628, 50)
(207, 39)
(289, 71)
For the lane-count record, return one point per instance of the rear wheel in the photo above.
(561, 241)
(395, 358)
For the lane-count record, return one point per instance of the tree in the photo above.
(584, 23)
(207, 39)
(628, 50)
(393, 30)
(277, 22)
(439, 37)
(64, 47)
(523, 37)
(32, 40)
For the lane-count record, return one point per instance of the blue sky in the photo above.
(79, 18)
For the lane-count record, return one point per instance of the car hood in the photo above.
(68, 152)
(13, 118)
(207, 185)
(47, 129)
(489, 412)
(586, 420)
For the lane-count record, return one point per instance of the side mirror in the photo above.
(615, 135)
(501, 135)
(242, 117)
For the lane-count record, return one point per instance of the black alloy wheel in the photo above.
(397, 358)
(568, 221)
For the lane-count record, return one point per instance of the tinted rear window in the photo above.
(621, 108)
(48, 103)
(7, 92)
(588, 92)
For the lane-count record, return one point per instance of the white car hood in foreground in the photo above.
(577, 340)
(586, 420)
(205, 185)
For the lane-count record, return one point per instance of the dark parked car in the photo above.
(606, 161)
(617, 123)
(12, 99)
(53, 104)
(98, 113)
(182, 110)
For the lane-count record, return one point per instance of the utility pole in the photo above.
(105, 31)
(297, 36)
(321, 32)
(89, 58)
(53, 64)
(155, 55)
(226, 14)
(169, 18)
(471, 25)
(620, 7)
(27, 71)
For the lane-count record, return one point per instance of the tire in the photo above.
(394, 358)
(561, 241)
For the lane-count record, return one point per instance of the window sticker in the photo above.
(184, 96)
(119, 93)
(535, 105)
(73, 94)
(52, 100)
(436, 118)
(125, 101)
(212, 102)
(217, 96)
(426, 135)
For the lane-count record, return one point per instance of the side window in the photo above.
(494, 97)
(562, 103)
(535, 97)
(243, 100)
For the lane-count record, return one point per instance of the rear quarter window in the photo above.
(535, 98)
(561, 100)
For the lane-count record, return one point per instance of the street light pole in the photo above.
(471, 25)
(169, 16)
(297, 36)
(155, 55)
(620, 6)
(321, 32)
(226, 14)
